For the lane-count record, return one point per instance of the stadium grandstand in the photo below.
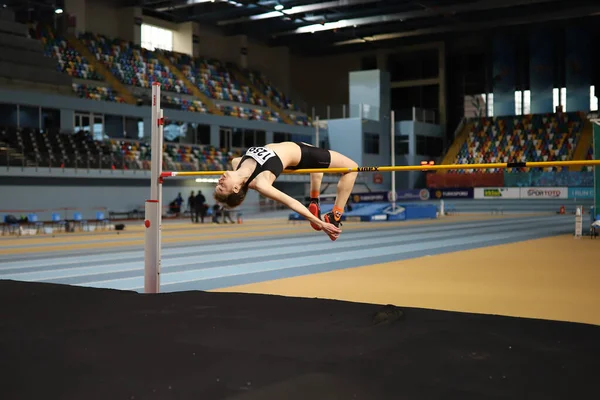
(441, 87)
(228, 85)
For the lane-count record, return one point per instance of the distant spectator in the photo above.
(199, 204)
(191, 207)
(178, 202)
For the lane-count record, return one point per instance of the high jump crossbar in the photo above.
(529, 164)
(153, 220)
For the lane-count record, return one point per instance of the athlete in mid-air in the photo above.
(260, 166)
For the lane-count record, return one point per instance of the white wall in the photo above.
(77, 9)
(182, 38)
(128, 30)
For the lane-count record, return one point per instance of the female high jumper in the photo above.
(260, 166)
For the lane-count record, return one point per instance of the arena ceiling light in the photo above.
(427, 12)
(282, 12)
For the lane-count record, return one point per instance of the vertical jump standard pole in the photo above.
(393, 156)
(153, 209)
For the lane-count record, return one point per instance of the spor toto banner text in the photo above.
(544, 193)
(497, 193)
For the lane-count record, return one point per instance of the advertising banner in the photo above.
(544, 193)
(451, 193)
(435, 181)
(401, 195)
(370, 197)
(581, 193)
(412, 194)
(497, 193)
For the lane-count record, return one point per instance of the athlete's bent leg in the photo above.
(315, 191)
(344, 186)
(315, 184)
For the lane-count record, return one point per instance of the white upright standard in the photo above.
(153, 207)
(578, 222)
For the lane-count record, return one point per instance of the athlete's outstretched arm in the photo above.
(277, 195)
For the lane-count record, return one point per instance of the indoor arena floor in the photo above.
(478, 306)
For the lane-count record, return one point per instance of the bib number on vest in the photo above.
(260, 154)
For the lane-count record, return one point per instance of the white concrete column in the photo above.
(130, 24)
(76, 9)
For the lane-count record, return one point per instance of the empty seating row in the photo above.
(250, 113)
(540, 137)
(80, 150)
(135, 66)
(51, 149)
(68, 59)
(101, 93)
(197, 158)
(183, 104)
(261, 82)
(214, 79)
(130, 63)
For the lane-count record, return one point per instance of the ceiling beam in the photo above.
(588, 11)
(296, 10)
(191, 3)
(454, 9)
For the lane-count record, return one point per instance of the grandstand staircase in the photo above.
(459, 140)
(102, 70)
(210, 105)
(8, 153)
(583, 144)
(242, 78)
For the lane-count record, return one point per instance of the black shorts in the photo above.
(312, 157)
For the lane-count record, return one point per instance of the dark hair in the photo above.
(232, 199)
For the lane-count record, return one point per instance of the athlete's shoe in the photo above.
(315, 210)
(329, 218)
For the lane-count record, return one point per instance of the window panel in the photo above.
(154, 37)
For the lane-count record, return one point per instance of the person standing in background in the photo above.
(178, 202)
(199, 206)
(191, 207)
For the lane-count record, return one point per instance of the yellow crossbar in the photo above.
(531, 164)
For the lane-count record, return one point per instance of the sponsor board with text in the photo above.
(544, 193)
(451, 193)
(370, 197)
(382, 197)
(582, 193)
(497, 193)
